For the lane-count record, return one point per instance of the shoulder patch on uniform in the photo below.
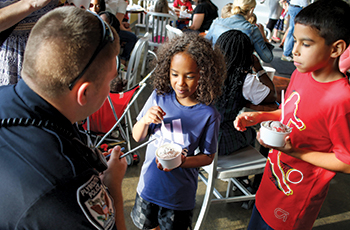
(96, 203)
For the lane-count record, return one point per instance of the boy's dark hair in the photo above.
(331, 18)
(237, 49)
(210, 63)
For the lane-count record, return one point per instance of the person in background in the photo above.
(279, 26)
(240, 87)
(187, 79)
(297, 175)
(97, 6)
(241, 11)
(203, 16)
(53, 180)
(226, 10)
(127, 38)
(295, 6)
(161, 6)
(274, 14)
(253, 19)
(17, 19)
(182, 5)
(111, 19)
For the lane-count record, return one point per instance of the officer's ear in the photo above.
(83, 92)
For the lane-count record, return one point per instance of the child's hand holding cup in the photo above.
(273, 133)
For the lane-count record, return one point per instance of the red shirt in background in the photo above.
(179, 3)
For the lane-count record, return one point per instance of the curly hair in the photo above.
(238, 50)
(210, 63)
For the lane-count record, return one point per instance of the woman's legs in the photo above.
(129, 39)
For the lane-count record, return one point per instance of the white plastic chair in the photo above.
(155, 25)
(173, 32)
(244, 162)
(146, 4)
(140, 51)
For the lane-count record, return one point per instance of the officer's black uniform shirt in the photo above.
(45, 182)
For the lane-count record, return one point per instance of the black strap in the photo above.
(6, 33)
(38, 123)
(92, 155)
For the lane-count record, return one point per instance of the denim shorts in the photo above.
(147, 215)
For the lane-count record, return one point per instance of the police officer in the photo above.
(50, 179)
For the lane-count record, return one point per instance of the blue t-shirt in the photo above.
(191, 127)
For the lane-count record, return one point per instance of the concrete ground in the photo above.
(334, 214)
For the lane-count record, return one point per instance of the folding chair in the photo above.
(100, 126)
(244, 162)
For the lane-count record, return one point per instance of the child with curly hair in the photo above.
(188, 77)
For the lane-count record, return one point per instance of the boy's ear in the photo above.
(82, 93)
(338, 48)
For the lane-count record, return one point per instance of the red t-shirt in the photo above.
(292, 191)
(179, 3)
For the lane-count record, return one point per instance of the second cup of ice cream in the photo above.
(273, 133)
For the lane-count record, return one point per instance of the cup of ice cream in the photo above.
(273, 133)
(169, 155)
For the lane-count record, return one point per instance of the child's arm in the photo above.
(154, 115)
(324, 160)
(252, 118)
(271, 97)
(197, 21)
(196, 161)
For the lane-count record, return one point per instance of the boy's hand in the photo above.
(154, 115)
(245, 119)
(287, 148)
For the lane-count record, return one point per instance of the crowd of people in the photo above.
(60, 72)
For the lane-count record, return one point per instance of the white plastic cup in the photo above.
(270, 72)
(79, 3)
(271, 137)
(170, 163)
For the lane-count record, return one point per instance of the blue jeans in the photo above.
(289, 42)
(129, 39)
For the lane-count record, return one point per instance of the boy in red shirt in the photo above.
(317, 107)
(179, 3)
(182, 5)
